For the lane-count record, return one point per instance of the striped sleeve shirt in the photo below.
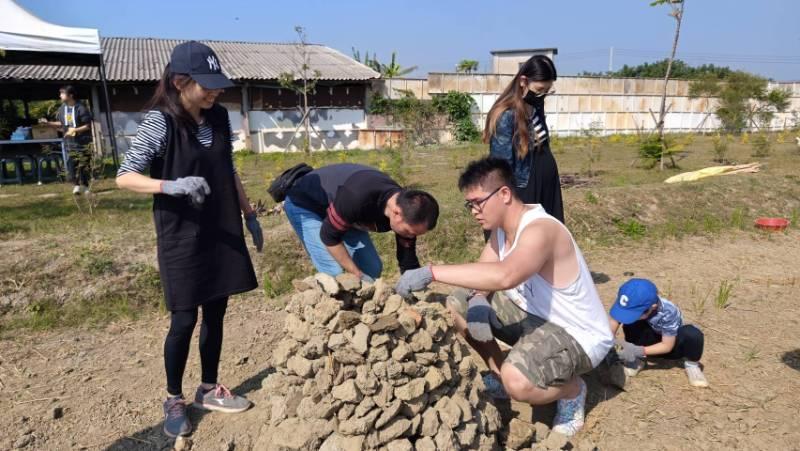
(150, 143)
(538, 126)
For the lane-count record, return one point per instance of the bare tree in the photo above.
(676, 12)
(302, 79)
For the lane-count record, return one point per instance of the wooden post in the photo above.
(245, 112)
(97, 127)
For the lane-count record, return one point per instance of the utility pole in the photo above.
(610, 59)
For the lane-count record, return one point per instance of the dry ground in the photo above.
(81, 331)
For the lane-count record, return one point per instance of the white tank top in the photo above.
(576, 308)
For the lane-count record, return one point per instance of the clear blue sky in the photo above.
(758, 36)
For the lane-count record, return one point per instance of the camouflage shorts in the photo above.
(543, 351)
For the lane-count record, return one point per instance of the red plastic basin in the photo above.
(772, 224)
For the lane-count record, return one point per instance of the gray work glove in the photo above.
(253, 226)
(366, 278)
(481, 318)
(196, 188)
(414, 280)
(630, 352)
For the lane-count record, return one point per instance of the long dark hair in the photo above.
(167, 99)
(537, 68)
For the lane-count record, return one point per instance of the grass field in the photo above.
(62, 265)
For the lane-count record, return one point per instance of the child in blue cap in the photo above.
(653, 328)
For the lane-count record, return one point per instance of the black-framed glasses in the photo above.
(478, 204)
(542, 94)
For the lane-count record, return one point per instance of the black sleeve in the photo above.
(340, 216)
(84, 116)
(406, 253)
(60, 115)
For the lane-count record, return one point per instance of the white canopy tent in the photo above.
(27, 39)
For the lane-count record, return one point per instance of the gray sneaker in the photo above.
(220, 399)
(176, 422)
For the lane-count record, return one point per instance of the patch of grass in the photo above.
(620, 180)
(737, 219)
(711, 224)
(631, 228)
(48, 314)
(699, 304)
(102, 276)
(9, 228)
(751, 354)
(96, 259)
(722, 299)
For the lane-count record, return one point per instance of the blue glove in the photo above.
(253, 226)
(480, 319)
(414, 280)
(630, 352)
(196, 188)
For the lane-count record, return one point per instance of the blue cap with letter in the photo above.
(633, 299)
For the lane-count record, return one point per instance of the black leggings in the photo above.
(688, 344)
(176, 345)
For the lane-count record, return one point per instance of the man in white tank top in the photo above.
(543, 300)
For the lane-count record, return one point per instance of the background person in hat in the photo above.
(653, 327)
(198, 202)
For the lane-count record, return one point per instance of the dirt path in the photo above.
(108, 383)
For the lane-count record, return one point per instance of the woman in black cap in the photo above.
(517, 132)
(185, 143)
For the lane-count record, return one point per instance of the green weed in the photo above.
(631, 228)
(751, 354)
(722, 299)
(738, 218)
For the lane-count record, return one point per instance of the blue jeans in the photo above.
(307, 225)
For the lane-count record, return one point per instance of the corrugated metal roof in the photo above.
(144, 59)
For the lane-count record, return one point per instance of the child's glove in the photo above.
(630, 352)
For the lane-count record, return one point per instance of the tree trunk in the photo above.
(663, 111)
(307, 146)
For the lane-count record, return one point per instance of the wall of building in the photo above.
(270, 129)
(508, 63)
(617, 105)
(333, 129)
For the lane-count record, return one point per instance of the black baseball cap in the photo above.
(198, 61)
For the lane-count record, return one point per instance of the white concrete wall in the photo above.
(621, 105)
(277, 130)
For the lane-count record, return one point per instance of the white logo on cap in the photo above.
(213, 65)
(623, 300)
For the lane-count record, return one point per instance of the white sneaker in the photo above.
(570, 413)
(87, 191)
(76, 190)
(633, 368)
(695, 374)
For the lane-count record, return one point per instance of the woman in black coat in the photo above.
(182, 154)
(516, 131)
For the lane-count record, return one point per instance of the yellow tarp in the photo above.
(713, 171)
